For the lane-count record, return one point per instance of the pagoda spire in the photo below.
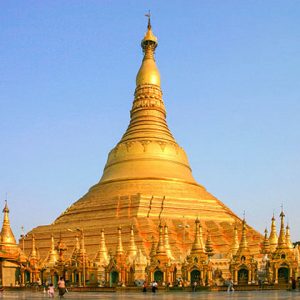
(243, 247)
(33, 254)
(198, 245)
(53, 256)
(265, 249)
(160, 246)
(7, 237)
(235, 244)
(167, 244)
(288, 237)
(153, 248)
(273, 238)
(132, 250)
(120, 245)
(208, 245)
(102, 255)
(281, 238)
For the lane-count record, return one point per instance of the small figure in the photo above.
(61, 287)
(230, 286)
(194, 286)
(144, 287)
(154, 286)
(51, 290)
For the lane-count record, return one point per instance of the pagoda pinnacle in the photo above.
(235, 244)
(273, 238)
(148, 73)
(132, 250)
(266, 244)
(198, 245)
(243, 248)
(102, 256)
(167, 245)
(120, 245)
(7, 237)
(160, 246)
(288, 237)
(281, 238)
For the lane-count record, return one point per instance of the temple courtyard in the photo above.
(274, 295)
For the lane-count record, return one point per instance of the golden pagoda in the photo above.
(147, 181)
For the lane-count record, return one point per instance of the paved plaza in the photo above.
(253, 295)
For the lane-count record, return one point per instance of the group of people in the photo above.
(154, 286)
(61, 288)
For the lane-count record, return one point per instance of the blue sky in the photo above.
(230, 75)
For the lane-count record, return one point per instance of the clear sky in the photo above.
(230, 75)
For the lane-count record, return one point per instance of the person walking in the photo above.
(51, 290)
(61, 287)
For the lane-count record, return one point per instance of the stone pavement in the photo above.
(253, 295)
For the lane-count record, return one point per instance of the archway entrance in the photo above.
(114, 278)
(159, 276)
(195, 276)
(283, 275)
(243, 276)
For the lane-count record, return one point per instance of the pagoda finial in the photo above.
(132, 251)
(235, 244)
(273, 238)
(198, 245)
(7, 237)
(167, 245)
(120, 245)
(265, 248)
(161, 245)
(148, 15)
(282, 238)
(101, 258)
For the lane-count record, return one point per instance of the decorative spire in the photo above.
(153, 248)
(243, 248)
(265, 249)
(132, 250)
(7, 237)
(167, 245)
(148, 73)
(281, 238)
(102, 256)
(160, 246)
(288, 237)
(235, 244)
(33, 254)
(273, 238)
(208, 245)
(53, 255)
(120, 245)
(198, 245)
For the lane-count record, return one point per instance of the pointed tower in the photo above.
(265, 247)
(198, 245)
(147, 176)
(132, 249)
(209, 250)
(7, 238)
(120, 250)
(288, 237)
(235, 242)
(167, 244)
(161, 250)
(243, 247)
(281, 239)
(101, 258)
(273, 238)
(53, 256)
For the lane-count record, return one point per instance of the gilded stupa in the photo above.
(147, 181)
